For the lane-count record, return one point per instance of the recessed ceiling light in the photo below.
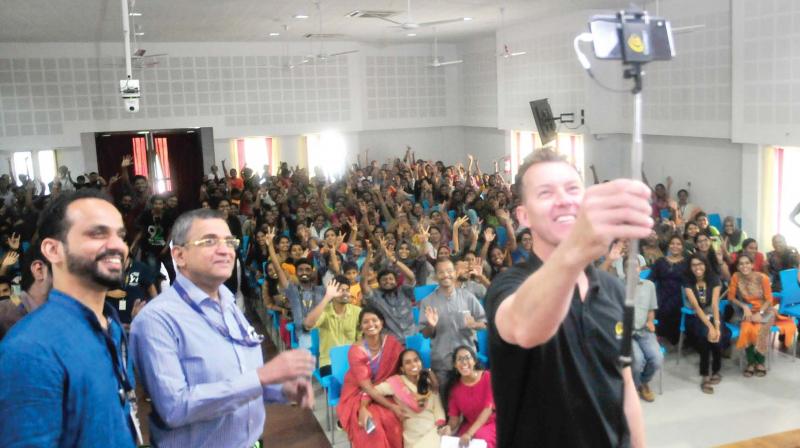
(411, 34)
(138, 34)
(274, 34)
(135, 14)
(300, 16)
(467, 19)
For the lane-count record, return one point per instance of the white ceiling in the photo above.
(253, 20)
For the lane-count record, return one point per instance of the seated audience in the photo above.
(35, 284)
(668, 275)
(471, 402)
(417, 390)
(395, 302)
(751, 291)
(716, 263)
(732, 238)
(750, 248)
(647, 357)
(372, 361)
(336, 319)
(705, 326)
(701, 218)
(782, 257)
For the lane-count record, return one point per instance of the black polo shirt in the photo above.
(567, 392)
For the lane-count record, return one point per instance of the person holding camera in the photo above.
(416, 390)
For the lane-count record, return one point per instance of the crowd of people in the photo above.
(343, 256)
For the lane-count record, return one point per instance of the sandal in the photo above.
(715, 379)
(705, 386)
(761, 371)
(748, 372)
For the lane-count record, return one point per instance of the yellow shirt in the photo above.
(336, 329)
(355, 294)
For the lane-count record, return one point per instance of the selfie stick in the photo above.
(633, 34)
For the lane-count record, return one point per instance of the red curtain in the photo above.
(241, 159)
(162, 153)
(140, 156)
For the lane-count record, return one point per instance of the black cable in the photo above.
(603, 86)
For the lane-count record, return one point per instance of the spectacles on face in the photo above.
(231, 242)
(463, 358)
(696, 265)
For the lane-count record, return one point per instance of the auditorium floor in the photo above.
(740, 408)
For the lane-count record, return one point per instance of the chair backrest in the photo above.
(339, 362)
(714, 219)
(790, 293)
(420, 292)
(483, 342)
(415, 312)
(315, 342)
(644, 274)
(502, 236)
(422, 345)
(293, 339)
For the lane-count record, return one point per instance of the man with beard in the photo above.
(396, 303)
(198, 356)
(67, 375)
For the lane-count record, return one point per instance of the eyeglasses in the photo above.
(231, 242)
(464, 358)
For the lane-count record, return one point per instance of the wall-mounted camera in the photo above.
(129, 90)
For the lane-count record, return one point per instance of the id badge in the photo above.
(123, 305)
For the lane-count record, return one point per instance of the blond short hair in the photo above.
(543, 155)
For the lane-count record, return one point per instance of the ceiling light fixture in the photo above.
(300, 16)
(467, 19)
(138, 34)
(274, 34)
(411, 34)
(135, 14)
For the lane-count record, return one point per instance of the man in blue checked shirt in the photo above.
(66, 379)
(199, 358)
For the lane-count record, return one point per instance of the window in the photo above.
(326, 152)
(23, 164)
(140, 156)
(255, 152)
(525, 142)
(781, 186)
(47, 167)
(163, 183)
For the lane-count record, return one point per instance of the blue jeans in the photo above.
(647, 357)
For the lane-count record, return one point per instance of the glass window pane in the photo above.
(47, 167)
(23, 164)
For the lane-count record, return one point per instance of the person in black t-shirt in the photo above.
(138, 288)
(155, 225)
(555, 322)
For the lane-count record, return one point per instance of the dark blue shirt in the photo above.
(58, 386)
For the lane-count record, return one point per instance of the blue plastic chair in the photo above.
(664, 213)
(790, 298)
(422, 345)
(483, 347)
(290, 329)
(452, 215)
(340, 364)
(644, 274)
(502, 236)
(420, 292)
(415, 312)
(714, 219)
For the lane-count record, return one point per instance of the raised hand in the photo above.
(13, 241)
(502, 214)
(126, 161)
(332, 289)
(431, 315)
(10, 259)
(460, 221)
(269, 235)
(488, 235)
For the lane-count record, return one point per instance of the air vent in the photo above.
(323, 36)
(362, 14)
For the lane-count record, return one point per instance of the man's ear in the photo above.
(38, 269)
(178, 256)
(522, 215)
(53, 250)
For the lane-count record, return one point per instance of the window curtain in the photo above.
(140, 156)
(162, 158)
(769, 198)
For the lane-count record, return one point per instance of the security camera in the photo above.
(132, 105)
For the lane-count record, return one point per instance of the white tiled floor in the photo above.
(741, 408)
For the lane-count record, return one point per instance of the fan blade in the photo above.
(518, 53)
(687, 29)
(140, 52)
(439, 22)
(436, 64)
(387, 20)
(342, 53)
(149, 56)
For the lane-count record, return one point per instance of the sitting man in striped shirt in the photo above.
(199, 358)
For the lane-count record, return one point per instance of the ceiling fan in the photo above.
(507, 53)
(321, 55)
(437, 62)
(410, 24)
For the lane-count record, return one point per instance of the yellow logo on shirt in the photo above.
(618, 329)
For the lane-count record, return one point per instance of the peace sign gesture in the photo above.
(460, 221)
(269, 235)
